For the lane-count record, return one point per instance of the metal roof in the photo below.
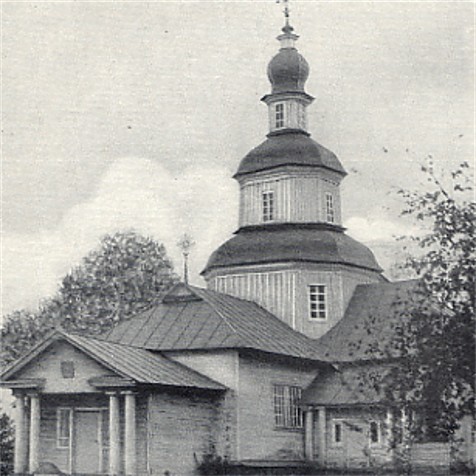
(140, 365)
(350, 385)
(365, 332)
(316, 243)
(195, 318)
(290, 147)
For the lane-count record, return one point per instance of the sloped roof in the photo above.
(317, 243)
(366, 330)
(289, 147)
(350, 385)
(139, 365)
(194, 318)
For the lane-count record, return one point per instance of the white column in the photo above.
(130, 437)
(321, 412)
(309, 434)
(114, 435)
(21, 437)
(389, 431)
(34, 432)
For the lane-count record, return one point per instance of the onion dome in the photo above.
(311, 243)
(288, 70)
(289, 148)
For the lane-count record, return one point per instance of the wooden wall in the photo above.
(49, 368)
(299, 196)
(180, 426)
(49, 404)
(295, 115)
(258, 438)
(355, 450)
(283, 290)
(221, 366)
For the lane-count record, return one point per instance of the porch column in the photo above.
(114, 435)
(130, 437)
(21, 437)
(309, 434)
(321, 412)
(34, 432)
(389, 432)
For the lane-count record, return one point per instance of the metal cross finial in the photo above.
(285, 10)
(185, 243)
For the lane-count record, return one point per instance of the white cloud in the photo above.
(377, 229)
(134, 193)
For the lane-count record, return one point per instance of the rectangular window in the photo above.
(317, 301)
(287, 413)
(268, 206)
(337, 432)
(279, 115)
(374, 433)
(330, 215)
(64, 418)
(67, 369)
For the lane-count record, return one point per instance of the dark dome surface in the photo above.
(290, 148)
(275, 243)
(288, 71)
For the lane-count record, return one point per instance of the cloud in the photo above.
(377, 229)
(134, 193)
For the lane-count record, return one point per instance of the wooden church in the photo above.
(260, 369)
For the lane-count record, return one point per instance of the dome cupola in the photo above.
(288, 70)
(291, 254)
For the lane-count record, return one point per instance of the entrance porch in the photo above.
(84, 434)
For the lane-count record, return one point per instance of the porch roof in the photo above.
(349, 385)
(132, 363)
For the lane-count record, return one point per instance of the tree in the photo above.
(6, 444)
(126, 274)
(433, 338)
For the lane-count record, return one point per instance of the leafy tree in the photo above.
(6, 444)
(434, 335)
(126, 274)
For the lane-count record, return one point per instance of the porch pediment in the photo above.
(66, 363)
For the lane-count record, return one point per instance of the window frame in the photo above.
(64, 442)
(290, 416)
(330, 208)
(379, 434)
(267, 204)
(318, 309)
(335, 423)
(279, 115)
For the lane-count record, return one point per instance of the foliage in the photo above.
(6, 444)
(126, 274)
(435, 335)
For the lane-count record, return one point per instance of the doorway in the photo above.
(90, 441)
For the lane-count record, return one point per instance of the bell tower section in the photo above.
(290, 253)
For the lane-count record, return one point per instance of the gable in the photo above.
(64, 368)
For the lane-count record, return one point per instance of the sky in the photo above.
(119, 115)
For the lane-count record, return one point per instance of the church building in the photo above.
(261, 369)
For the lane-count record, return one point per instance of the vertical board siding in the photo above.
(273, 290)
(297, 199)
(285, 293)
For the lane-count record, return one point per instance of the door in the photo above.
(86, 442)
(356, 441)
